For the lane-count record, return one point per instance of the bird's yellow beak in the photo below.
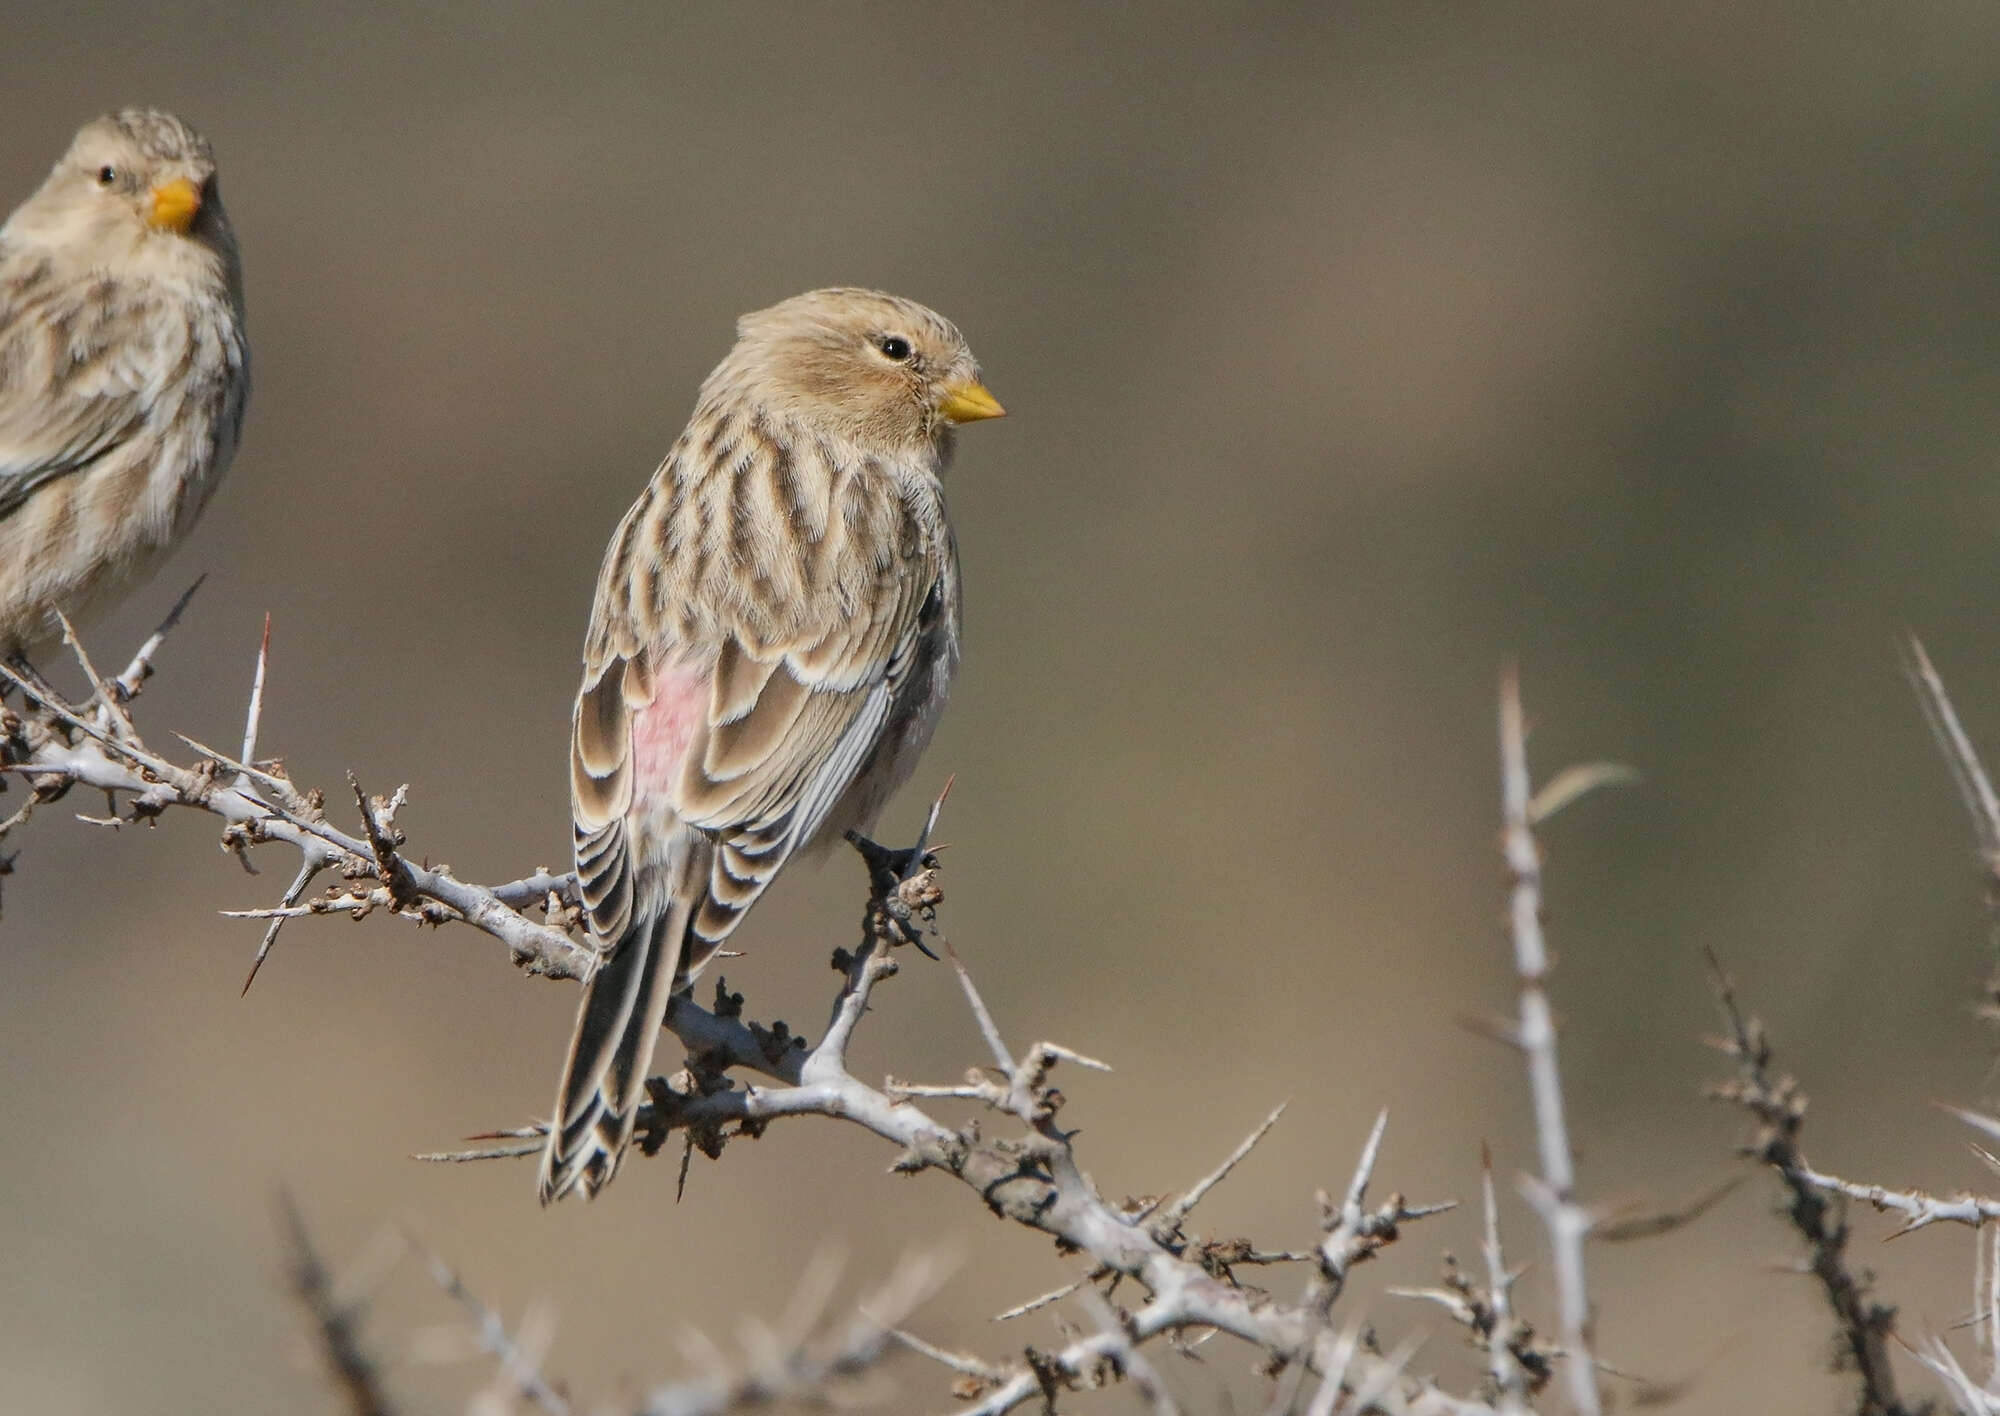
(968, 403)
(175, 206)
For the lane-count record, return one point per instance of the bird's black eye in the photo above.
(106, 175)
(894, 346)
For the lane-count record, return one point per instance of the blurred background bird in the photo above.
(774, 635)
(123, 368)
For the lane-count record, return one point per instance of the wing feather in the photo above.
(73, 385)
(799, 689)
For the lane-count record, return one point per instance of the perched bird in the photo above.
(123, 367)
(775, 630)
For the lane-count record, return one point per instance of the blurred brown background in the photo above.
(1352, 349)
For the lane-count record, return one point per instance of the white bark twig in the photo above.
(1334, 1382)
(1918, 1209)
(140, 669)
(54, 744)
(1968, 774)
(288, 908)
(1126, 1358)
(1355, 1233)
(1042, 1300)
(1553, 1195)
(1970, 1396)
(255, 715)
(1975, 789)
(1510, 1377)
(1184, 1206)
(1518, 1363)
(106, 697)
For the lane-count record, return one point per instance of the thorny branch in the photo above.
(1187, 1283)
(1033, 1178)
(1036, 1179)
(809, 1355)
(336, 1320)
(1975, 789)
(1779, 1108)
(1553, 1195)
(1816, 1201)
(1519, 1364)
(53, 745)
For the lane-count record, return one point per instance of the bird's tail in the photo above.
(604, 1077)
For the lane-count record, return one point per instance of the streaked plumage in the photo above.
(123, 367)
(775, 631)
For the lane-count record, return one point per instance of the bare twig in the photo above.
(1918, 1209)
(1510, 1375)
(1554, 1194)
(1034, 1180)
(254, 716)
(1182, 1207)
(1779, 1108)
(1043, 1300)
(1967, 772)
(336, 1322)
(520, 1370)
(1970, 1396)
(315, 862)
(141, 668)
(105, 696)
(1125, 1357)
(1518, 1364)
(805, 1360)
(1975, 789)
(1335, 1380)
(96, 745)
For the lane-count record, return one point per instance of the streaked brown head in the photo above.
(883, 370)
(140, 184)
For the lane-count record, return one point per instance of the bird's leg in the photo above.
(18, 663)
(889, 868)
(21, 729)
(903, 889)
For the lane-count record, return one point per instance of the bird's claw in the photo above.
(903, 888)
(29, 675)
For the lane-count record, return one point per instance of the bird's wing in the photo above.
(73, 386)
(751, 741)
(789, 728)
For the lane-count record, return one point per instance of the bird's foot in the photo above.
(17, 663)
(903, 888)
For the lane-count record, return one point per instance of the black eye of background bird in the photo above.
(106, 175)
(894, 346)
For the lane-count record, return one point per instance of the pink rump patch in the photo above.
(662, 730)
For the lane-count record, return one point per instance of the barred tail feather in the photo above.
(604, 1077)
